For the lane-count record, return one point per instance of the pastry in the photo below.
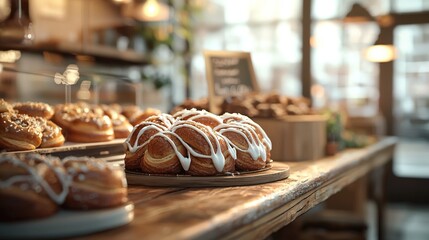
(34, 109)
(121, 127)
(19, 132)
(51, 133)
(136, 143)
(131, 111)
(31, 186)
(94, 184)
(162, 154)
(249, 140)
(83, 124)
(5, 106)
(201, 116)
(34, 186)
(138, 118)
(197, 142)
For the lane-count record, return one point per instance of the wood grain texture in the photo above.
(296, 138)
(246, 212)
(277, 171)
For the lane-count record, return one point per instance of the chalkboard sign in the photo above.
(228, 74)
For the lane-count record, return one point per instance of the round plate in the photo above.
(67, 223)
(277, 171)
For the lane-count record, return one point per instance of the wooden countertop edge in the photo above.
(381, 152)
(259, 217)
(285, 214)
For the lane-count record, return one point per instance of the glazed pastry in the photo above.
(205, 149)
(31, 186)
(197, 143)
(121, 127)
(34, 109)
(94, 184)
(136, 143)
(201, 116)
(142, 116)
(5, 106)
(51, 134)
(251, 152)
(162, 155)
(19, 132)
(83, 124)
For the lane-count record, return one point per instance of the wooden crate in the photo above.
(296, 138)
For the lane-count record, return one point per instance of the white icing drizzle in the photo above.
(256, 148)
(35, 177)
(236, 123)
(231, 117)
(150, 125)
(194, 114)
(216, 156)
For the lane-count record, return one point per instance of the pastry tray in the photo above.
(97, 150)
(67, 223)
(274, 172)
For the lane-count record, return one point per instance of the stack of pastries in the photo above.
(197, 142)
(33, 186)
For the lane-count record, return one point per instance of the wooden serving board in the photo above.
(277, 171)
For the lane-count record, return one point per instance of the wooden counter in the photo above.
(250, 212)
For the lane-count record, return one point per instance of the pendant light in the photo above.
(381, 50)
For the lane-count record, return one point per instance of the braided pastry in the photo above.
(197, 142)
(136, 143)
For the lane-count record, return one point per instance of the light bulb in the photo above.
(151, 8)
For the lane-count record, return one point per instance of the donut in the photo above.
(34, 109)
(19, 132)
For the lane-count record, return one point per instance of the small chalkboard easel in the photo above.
(228, 74)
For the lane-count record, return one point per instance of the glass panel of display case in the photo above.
(411, 100)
